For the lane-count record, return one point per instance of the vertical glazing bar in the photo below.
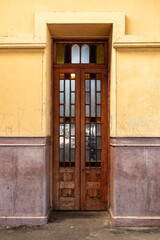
(89, 123)
(95, 142)
(64, 143)
(95, 120)
(70, 126)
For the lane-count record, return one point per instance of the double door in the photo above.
(80, 139)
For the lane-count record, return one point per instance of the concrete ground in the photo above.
(78, 226)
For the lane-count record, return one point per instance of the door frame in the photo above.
(79, 67)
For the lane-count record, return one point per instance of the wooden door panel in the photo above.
(66, 170)
(94, 169)
(67, 188)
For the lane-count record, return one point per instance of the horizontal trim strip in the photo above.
(28, 217)
(24, 145)
(24, 141)
(136, 45)
(133, 145)
(135, 141)
(23, 45)
(134, 217)
(81, 38)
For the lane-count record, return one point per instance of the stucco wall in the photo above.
(138, 92)
(21, 92)
(18, 16)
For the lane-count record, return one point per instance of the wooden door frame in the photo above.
(80, 67)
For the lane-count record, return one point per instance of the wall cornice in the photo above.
(136, 44)
(23, 45)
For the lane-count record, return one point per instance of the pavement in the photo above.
(78, 226)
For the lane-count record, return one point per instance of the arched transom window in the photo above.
(80, 53)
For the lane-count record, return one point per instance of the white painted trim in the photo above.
(136, 45)
(133, 145)
(23, 45)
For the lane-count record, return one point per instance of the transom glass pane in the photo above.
(85, 53)
(67, 53)
(93, 54)
(75, 54)
(100, 53)
(60, 54)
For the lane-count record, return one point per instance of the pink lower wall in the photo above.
(135, 181)
(24, 181)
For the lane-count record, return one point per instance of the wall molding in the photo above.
(136, 45)
(135, 142)
(20, 220)
(134, 220)
(25, 141)
(23, 45)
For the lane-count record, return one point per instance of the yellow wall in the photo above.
(138, 92)
(47, 77)
(17, 17)
(20, 92)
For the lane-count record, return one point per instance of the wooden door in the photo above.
(94, 139)
(80, 140)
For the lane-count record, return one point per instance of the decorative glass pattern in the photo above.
(67, 119)
(80, 53)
